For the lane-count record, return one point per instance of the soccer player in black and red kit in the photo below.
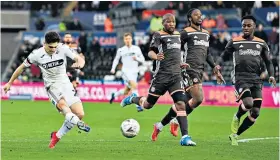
(195, 44)
(165, 48)
(247, 52)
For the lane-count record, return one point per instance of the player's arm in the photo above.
(227, 54)
(216, 68)
(154, 53)
(265, 56)
(26, 63)
(183, 38)
(139, 56)
(79, 61)
(116, 61)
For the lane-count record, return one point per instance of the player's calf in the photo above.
(251, 118)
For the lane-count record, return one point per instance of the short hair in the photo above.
(68, 33)
(249, 17)
(51, 37)
(127, 34)
(189, 14)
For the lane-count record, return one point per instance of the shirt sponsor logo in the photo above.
(249, 52)
(201, 43)
(53, 64)
(174, 45)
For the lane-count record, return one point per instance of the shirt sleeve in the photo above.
(139, 56)
(210, 59)
(183, 38)
(266, 57)
(155, 42)
(116, 60)
(32, 58)
(227, 54)
(69, 52)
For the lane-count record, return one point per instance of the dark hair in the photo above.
(189, 14)
(249, 17)
(51, 37)
(67, 33)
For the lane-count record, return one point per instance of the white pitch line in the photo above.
(256, 139)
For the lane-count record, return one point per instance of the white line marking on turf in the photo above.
(256, 139)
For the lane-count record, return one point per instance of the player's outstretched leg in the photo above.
(116, 94)
(248, 103)
(71, 120)
(128, 100)
(236, 118)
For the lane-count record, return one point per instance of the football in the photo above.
(130, 128)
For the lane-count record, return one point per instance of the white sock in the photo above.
(70, 121)
(72, 118)
(66, 127)
(159, 126)
(119, 92)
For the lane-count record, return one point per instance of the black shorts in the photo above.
(162, 83)
(192, 76)
(254, 90)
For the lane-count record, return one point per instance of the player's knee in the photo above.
(180, 106)
(61, 104)
(255, 112)
(148, 105)
(198, 100)
(150, 102)
(80, 115)
(248, 103)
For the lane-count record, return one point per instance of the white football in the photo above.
(130, 128)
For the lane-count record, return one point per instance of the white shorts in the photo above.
(62, 90)
(129, 76)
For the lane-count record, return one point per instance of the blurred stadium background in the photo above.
(97, 28)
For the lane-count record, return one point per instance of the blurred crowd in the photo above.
(99, 60)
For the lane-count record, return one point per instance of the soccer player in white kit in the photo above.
(131, 56)
(51, 58)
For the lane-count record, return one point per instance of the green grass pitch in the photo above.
(26, 128)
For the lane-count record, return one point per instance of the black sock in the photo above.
(188, 109)
(136, 100)
(168, 117)
(247, 123)
(240, 112)
(183, 124)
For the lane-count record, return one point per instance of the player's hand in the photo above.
(220, 78)
(185, 65)
(160, 56)
(112, 71)
(272, 81)
(75, 66)
(7, 87)
(217, 69)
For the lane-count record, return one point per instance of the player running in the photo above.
(195, 44)
(165, 48)
(51, 59)
(247, 52)
(131, 56)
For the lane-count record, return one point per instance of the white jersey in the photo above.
(126, 54)
(53, 67)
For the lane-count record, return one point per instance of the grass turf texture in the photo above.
(26, 128)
